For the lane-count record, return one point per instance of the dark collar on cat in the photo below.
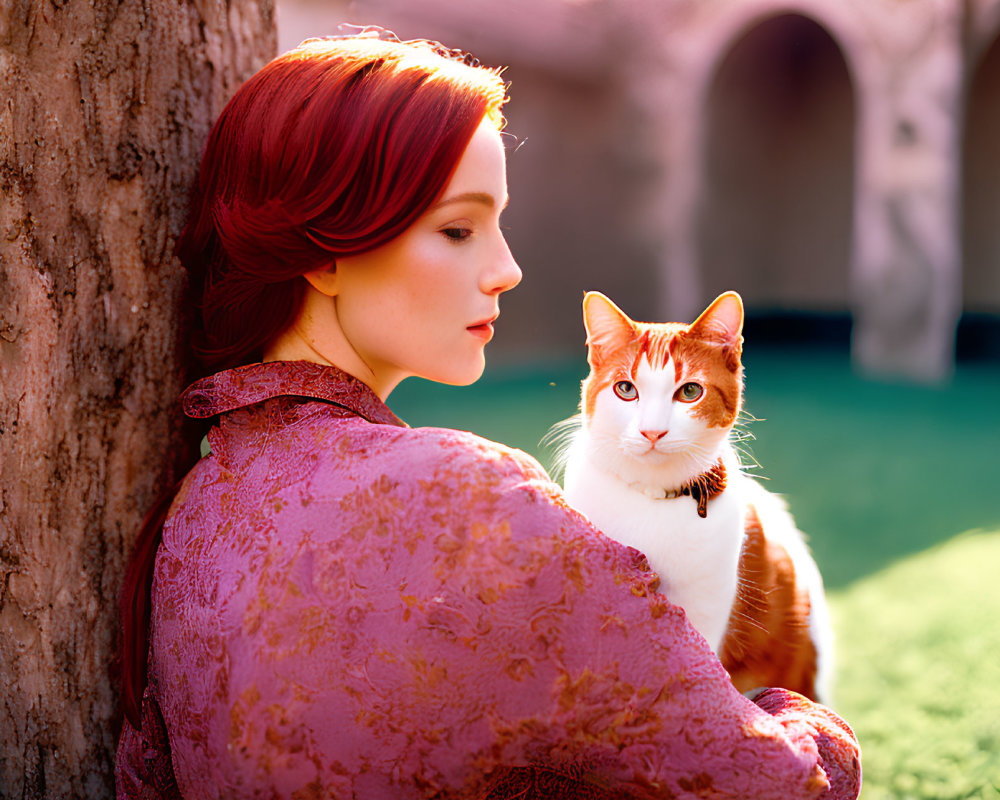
(702, 488)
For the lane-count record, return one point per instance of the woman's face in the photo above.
(423, 304)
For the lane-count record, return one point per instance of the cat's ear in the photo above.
(609, 329)
(722, 321)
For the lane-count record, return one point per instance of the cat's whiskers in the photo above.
(560, 439)
(687, 455)
(603, 450)
(740, 437)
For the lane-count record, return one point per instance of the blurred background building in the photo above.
(837, 162)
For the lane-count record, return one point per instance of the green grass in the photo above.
(871, 470)
(884, 478)
(919, 672)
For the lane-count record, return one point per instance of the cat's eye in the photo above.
(625, 390)
(690, 392)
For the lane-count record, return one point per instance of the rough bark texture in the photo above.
(104, 109)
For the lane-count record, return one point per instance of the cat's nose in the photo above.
(653, 436)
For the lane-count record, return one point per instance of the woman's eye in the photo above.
(690, 392)
(625, 390)
(456, 234)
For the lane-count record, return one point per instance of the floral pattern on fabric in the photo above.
(349, 609)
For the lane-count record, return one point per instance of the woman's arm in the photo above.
(621, 679)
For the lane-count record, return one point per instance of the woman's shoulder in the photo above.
(434, 448)
(422, 462)
(320, 459)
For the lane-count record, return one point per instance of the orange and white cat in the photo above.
(652, 465)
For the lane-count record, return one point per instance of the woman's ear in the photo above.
(324, 280)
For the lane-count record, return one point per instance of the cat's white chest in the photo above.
(696, 558)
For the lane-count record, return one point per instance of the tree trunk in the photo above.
(104, 110)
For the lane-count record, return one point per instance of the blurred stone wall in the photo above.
(816, 155)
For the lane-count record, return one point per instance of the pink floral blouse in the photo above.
(347, 607)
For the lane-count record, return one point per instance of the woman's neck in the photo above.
(316, 335)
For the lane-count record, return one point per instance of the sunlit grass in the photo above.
(919, 672)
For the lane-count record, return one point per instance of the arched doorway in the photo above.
(981, 188)
(776, 218)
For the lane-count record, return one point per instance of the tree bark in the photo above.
(104, 109)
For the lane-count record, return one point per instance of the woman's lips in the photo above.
(483, 330)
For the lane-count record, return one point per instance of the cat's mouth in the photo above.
(664, 449)
(648, 450)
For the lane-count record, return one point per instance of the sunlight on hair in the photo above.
(418, 55)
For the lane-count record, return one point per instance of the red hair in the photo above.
(332, 149)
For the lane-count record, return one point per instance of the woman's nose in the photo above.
(504, 275)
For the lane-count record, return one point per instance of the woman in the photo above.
(345, 607)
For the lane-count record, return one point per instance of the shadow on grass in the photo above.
(872, 470)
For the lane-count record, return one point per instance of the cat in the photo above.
(652, 464)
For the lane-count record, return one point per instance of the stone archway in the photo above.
(981, 187)
(778, 179)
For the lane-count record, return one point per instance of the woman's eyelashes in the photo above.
(461, 231)
(455, 233)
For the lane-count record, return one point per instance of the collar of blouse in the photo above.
(254, 383)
